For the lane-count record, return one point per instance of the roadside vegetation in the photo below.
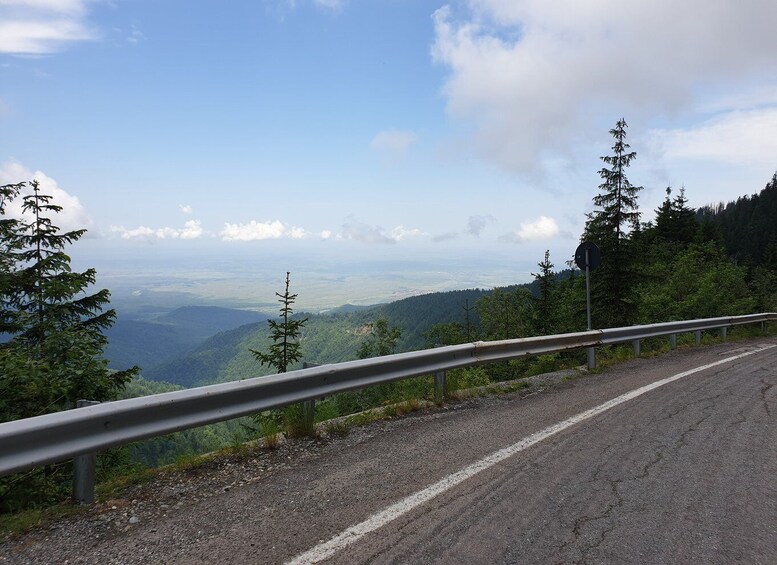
(682, 264)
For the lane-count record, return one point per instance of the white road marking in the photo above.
(380, 519)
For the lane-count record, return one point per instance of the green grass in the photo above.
(27, 520)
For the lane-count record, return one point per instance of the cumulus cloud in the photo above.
(529, 76)
(192, 229)
(399, 233)
(259, 231)
(359, 231)
(539, 229)
(393, 143)
(73, 215)
(185, 208)
(365, 233)
(39, 27)
(738, 137)
(476, 224)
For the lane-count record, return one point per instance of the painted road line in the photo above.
(380, 519)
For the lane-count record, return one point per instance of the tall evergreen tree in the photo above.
(54, 355)
(610, 227)
(285, 349)
(53, 352)
(544, 311)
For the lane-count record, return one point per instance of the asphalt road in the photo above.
(684, 473)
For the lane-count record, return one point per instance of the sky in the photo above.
(430, 144)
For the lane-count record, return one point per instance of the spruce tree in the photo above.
(610, 227)
(54, 354)
(544, 311)
(285, 349)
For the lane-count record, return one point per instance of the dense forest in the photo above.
(680, 264)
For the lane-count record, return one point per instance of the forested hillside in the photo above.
(150, 343)
(326, 338)
(748, 226)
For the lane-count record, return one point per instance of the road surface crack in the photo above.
(742, 419)
(607, 513)
(764, 390)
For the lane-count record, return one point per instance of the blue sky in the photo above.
(375, 130)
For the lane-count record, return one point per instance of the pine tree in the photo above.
(544, 311)
(54, 355)
(285, 334)
(53, 352)
(610, 228)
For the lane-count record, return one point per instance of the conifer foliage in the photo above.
(285, 349)
(54, 354)
(611, 227)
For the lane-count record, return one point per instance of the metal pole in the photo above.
(439, 384)
(698, 337)
(439, 387)
(591, 350)
(309, 416)
(673, 341)
(309, 408)
(83, 469)
(635, 343)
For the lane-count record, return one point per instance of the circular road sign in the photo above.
(594, 255)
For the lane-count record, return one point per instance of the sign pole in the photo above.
(588, 257)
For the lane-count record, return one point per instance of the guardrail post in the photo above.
(309, 416)
(635, 343)
(439, 387)
(83, 469)
(309, 408)
(673, 341)
(591, 358)
(724, 332)
(439, 384)
(698, 337)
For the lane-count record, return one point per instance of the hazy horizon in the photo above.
(140, 286)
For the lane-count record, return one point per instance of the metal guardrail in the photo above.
(50, 438)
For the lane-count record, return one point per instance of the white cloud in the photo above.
(476, 224)
(531, 77)
(399, 233)
(365, 233)
(73, 215)
(258, 231)
(191, 230)
(358, 231)
(739, 138)
(539, 229)
(38, 27)
(186, 209)
(326, 234)
(393, 143)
